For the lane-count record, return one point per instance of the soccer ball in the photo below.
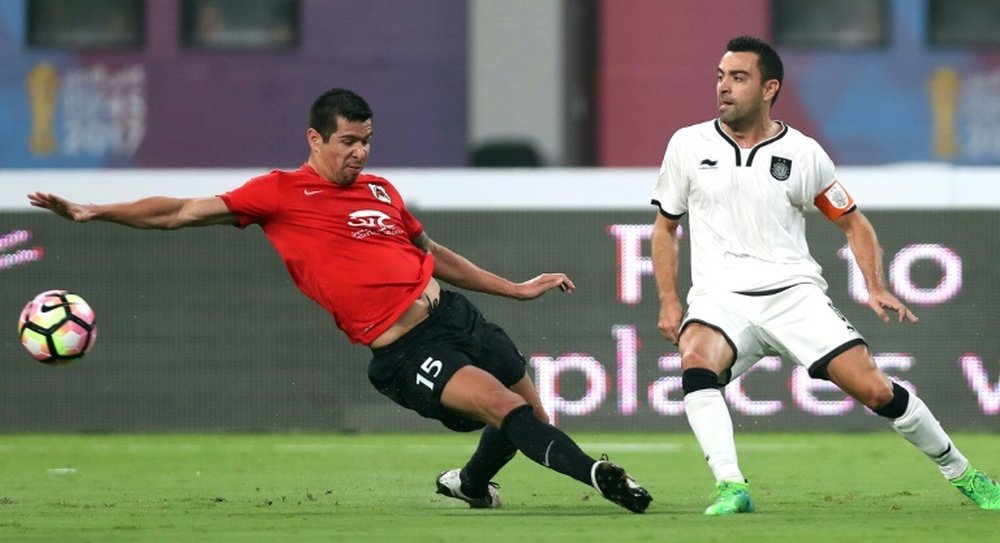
(57, 327)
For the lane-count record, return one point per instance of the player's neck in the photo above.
(750, 134)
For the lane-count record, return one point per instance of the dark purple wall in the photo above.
(250, 109)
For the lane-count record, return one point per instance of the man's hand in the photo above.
(881, 300)
(533, 288)
(61, 206)
(669, 323)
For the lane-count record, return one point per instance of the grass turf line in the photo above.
(379, 487)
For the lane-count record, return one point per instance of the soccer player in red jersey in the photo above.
(351, 245)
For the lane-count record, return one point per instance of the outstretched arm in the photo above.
(867, 251)
(454, 268)
(159, 212)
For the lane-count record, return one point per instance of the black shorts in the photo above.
(413, 370)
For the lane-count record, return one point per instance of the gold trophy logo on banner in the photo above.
(945, 87)
(43, 89)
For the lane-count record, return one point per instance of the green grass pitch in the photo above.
(380, 487)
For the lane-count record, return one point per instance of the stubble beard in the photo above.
(738, 120)
(733, 120)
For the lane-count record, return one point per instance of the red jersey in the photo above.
(349, 248)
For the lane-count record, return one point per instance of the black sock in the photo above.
(546, 444)
(492, 454)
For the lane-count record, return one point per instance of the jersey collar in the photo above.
(736, 148)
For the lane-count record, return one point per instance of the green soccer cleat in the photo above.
(978, 487)
(730, 498)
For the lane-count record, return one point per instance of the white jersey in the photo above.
(745, 206)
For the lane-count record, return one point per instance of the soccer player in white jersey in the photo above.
(745, 180)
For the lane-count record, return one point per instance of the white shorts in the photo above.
(799, 323)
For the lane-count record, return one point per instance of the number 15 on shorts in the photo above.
(431, 368)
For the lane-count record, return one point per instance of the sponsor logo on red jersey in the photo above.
(369, 222)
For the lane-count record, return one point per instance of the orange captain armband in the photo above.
(834, 201)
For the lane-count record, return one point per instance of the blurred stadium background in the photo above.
(526, 134)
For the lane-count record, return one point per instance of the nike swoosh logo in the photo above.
(311, 192)
(46, 307)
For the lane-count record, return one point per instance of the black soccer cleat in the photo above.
(615, 485)
(449, 483)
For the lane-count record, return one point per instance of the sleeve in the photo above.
(256, 201)
(824, 190)
(673, 182)
(412, 226)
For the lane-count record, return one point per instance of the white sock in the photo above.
(918, 426)
(709, 418)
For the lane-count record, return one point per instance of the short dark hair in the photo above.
(767, 58)
(333, 103)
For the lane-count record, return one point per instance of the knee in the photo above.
(497, 404)
(697, 360)
(876, 395)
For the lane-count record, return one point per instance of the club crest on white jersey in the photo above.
(781, 168)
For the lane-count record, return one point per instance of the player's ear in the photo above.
(313, 137)
(771, 88)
